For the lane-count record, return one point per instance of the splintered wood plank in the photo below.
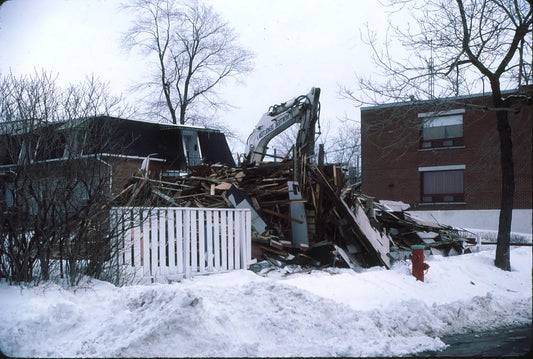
(224, 186)
(255, 204)
(284, 201)
(281, 215)
(347, 258)
(378, 241)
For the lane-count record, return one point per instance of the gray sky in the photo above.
(298, 44)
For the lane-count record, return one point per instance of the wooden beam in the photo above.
(280, 215)
(284, 201)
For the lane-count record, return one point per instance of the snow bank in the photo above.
(328, 313)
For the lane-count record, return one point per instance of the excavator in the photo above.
(303, 109)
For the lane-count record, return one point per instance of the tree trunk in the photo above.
(502, 259)
(45, 263)
(73, 270)
(183, 112)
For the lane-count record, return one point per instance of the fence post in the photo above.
(180, 241)
(201, 241)
(248, 237)
(145, 236)
(162, 241)
(216, 240)
(187, 243)
(237, 235)
(244, 238)
(224, 239)
(194, 241)
(171, 233)
(231, 240)
(209, 235)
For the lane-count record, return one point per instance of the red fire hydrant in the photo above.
(417, 259)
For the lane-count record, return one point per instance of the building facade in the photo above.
(119, 147)
(442, 157)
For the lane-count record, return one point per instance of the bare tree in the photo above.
(55, 186)
(196, 52)
(452, 46)
(25, 103)
(345, 147)
(282, 145)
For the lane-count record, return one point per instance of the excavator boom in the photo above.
(302, 109)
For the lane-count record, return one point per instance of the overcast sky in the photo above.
(298, 44)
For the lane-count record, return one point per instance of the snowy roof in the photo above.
(419, 102)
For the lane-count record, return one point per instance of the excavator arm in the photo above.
(302, 109)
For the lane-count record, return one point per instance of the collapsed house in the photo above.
(302, 212)
(334, 225)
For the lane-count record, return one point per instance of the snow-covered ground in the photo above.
(330, 312)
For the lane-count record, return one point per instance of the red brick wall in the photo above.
(124, 168)
(391, 155)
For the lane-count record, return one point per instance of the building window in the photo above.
(191, 148)
(442, 184)
(442, 129)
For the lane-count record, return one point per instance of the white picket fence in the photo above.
(169, 243)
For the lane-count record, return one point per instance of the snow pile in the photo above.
(332, 312)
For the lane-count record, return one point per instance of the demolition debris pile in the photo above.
(315, 221)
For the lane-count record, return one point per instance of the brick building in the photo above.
(442, 157)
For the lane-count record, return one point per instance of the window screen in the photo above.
(442, 186)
